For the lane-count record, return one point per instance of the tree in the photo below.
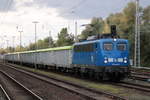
(125, 22)
(49, 41)
(31, 46)
(64, 38)
(41, 44)
(3, 51)
(145, 37)
(115, 19)
(95, 27)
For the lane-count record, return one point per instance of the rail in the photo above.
(21, 85)
(3, 90)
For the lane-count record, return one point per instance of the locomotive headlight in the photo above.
(125, 61)
(105, 61)
(115, 39)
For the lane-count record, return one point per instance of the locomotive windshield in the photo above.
(108, 46)
(121, 46)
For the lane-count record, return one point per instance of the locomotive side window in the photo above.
(108, 46)
(84, 48)
(121, 46)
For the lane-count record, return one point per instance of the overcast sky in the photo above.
(52, 15)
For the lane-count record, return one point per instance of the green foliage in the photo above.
(145, 37)
(125, 22)
(146, 15)
(95, 27)
(64, 38)
(3, 51)
(41, 44)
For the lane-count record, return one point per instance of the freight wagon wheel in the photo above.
(115, 79)
(84, 75)
(91, 74)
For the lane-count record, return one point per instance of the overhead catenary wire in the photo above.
(71, 10)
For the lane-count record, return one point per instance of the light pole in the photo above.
(50, 39)
(76, 27)
(20, 31)
(7, 41)
(13, 40)
(76, 31)
(35, 23)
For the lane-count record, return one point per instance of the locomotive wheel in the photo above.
(97, 76)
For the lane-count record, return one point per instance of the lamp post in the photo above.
(20, 31)
(76, 31)
(7, 42)
(13, 40)
(76, 27)
(50, 39)
(35, 23)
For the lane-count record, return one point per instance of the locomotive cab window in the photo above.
(108, 46)
(84, 48)
(121, 46)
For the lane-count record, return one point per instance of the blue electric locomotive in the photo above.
(104, 57)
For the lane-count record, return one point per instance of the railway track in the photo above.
(88, 93)
(16, 90)
(139, 87)
(140, 76)
(141, 73)
(4, 95)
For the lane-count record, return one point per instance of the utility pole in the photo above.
(35, 23)
(13, 40)
(50, 39)
(76, 31)
(7, 41)
(29, 44)
(137, 37)
(20, 31)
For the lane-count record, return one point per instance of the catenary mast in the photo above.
(137, 37)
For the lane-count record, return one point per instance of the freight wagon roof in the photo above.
(45, 50)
